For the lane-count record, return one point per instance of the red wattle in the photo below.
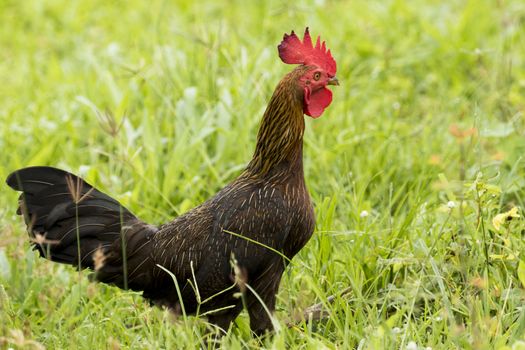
(316, 102)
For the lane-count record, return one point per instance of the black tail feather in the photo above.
(58, 207)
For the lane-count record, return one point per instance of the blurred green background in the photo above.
(158, 103)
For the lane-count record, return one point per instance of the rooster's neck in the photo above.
(279, 148)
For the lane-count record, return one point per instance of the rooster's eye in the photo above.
(317, 75)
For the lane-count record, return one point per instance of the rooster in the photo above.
(240, 240)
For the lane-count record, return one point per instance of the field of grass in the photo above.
(158, 103)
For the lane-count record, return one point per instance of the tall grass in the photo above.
(158, 104)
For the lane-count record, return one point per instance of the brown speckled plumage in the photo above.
(268, 205)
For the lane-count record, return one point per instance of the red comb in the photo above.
(293, 51)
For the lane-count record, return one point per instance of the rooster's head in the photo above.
(320, 70)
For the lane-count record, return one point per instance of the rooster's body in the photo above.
(239, 240)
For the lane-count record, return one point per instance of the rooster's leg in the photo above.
(265, 287)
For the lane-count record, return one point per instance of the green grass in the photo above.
(158, 105)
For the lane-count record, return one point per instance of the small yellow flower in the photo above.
(502, 218)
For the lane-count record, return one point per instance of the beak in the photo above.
(333, 81)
